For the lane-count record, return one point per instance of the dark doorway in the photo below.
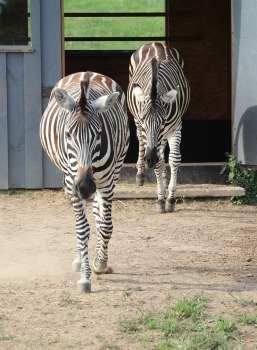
(201, 31)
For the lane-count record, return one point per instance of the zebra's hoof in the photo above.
(76, 264)
(170, 205)
(140, 179)
(160, 207)
(84, 285)
(100, 268)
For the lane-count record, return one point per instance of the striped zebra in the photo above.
(158, 96)
(84, 130)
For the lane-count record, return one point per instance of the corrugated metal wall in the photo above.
(23, 164)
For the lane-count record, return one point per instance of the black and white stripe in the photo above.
(158, 96)
(84, 131)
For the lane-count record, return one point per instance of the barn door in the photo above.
(30, 63)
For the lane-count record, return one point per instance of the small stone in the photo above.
(249, 275)
(249, 259)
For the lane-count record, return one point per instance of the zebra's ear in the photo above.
(103, 103)
(169, 96)
(139, 93)
(64, 99)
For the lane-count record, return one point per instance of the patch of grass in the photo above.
(109, 346)
(248, 319)
(189, 307)
(4, 336)
(182, 199)
(183, 325)
(146, 341)
(129, 326)
(245, 302)
(227, 327)
(16, 192)
(66, 301)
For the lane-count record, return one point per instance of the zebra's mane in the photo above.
(84, 84)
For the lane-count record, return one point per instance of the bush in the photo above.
(243, 177)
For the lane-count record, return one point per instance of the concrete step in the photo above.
(195, 173)
(126, 190)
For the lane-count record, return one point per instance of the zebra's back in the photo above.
(170, 75)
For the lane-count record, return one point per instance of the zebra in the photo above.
(84, 130)
(158, 95)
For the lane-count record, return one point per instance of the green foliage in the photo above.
(244, 302)
(183, 325)
(248, 319)
(129, 326)
(224, 326)
(67, 300)
(186, 308)
(182, 199)
(112, 26)
(243, 177)
(4, 336)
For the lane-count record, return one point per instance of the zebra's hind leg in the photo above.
(140, 176)
(102, 209)
(165, 177)
(174, 161)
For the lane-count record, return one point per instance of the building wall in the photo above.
(24, 71)
(244, 92)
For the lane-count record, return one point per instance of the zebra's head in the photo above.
(83, 134)
(154, 105)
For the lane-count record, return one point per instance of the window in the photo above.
(113, 24)
(14, 22)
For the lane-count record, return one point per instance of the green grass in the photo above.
(182, 325)
(116, 26)
(67, 300)
(248, 319)
(5, 337)
(244, 302)
(16, 192)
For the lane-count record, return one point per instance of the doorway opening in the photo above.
(199, 30)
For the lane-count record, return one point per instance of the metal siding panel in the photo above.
(32, 111)
(4, 182)
(16, 127)
(51, 35)
(245, 81)
(33, 105)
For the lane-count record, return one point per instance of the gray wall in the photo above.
(244, 69)
(24, 70)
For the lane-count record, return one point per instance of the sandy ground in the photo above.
(204, 246)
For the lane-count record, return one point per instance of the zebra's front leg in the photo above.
(81, 262)
(103, 217)
(140, 176)
(174, 161)
(161, 191)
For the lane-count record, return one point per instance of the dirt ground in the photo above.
(204, 246)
